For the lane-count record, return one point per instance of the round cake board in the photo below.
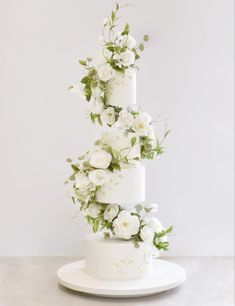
(165, 275)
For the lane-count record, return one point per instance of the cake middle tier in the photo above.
(121, 89)
(124, 187)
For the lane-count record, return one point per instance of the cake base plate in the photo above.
(165, 275)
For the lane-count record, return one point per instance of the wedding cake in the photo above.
(108, 181)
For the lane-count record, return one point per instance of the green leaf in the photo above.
(115, 153)
(75, 168)
(141, 47)
(85, 80)
(89, 59)
(126, 29)
(72, 177)
(116, 166)
(113, 16)
(133, 141)
(146, 38)
(69, 160)
(106, 235)
(99, 120)
(96, 226)
(84, 63)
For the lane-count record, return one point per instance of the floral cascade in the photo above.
(91, 171)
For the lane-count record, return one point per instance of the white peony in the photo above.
(93, 210)
(105, 72)
(126, 58)
(125, 119)
(141, 125)
(82, 181)
(126, 225)
(97, 107)
(131, 42)
(109, 115)
(111, 212)
(100, 159)
(155, 225)
(147, 234)
(98, 177)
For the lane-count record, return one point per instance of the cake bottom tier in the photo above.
(116, 259)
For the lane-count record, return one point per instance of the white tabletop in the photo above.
(31, 281)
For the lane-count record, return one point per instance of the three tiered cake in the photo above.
(108, 181)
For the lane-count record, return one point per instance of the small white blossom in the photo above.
(93, 210)
(155, 225)
(105, 72)
(98, 177)
(119, 39)
(147, 234)
(100, 159)
(125, 119)
(153, 207)
(126, 58)
(111, 212)
(131, 42)
(82, 181)
(126, 225)
(109, 115)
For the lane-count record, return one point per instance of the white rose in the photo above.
(100, 159)
(105, 72)
(155, 225)
(111, 212)
(147, 234)
(98, 177)
(131, 42)
(109, 115)
(93, 210)
(126, 225)
(125, 119)
(97, 107)
(141, 125)
(127, 58)
(82, 181)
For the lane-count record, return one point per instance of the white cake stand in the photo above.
(166, 275)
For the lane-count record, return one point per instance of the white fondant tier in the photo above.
(121, 142)
(116, 259)
(122, 89)
(124, 187)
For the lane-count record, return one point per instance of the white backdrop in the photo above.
(186, 74)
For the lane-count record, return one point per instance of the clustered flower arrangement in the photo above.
(92, 170)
